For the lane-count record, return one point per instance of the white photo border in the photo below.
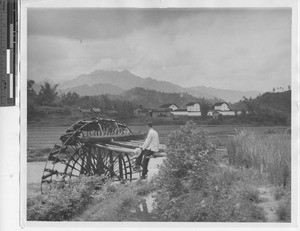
(22, 223)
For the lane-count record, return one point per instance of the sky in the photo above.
(237, 49)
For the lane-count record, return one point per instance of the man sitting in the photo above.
(150, 146)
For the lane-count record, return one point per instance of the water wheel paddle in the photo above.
(92, 147)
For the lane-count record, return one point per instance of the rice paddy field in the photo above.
(45, 137)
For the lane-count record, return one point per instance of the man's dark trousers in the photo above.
(145, 153)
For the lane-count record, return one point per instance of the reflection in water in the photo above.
(144, 212)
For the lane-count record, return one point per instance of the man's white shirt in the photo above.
(152, 141)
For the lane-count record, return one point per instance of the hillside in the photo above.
(227, 95)
(125, 80)
(279, 102)
(97, 89)
(154, 99)
(122, 79)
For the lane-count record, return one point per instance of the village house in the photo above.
(140, 111)
(172, 106)
(193, 109)
(95, 110)
(85, 110)
(221, 108)
(193, 106)
(161, 112)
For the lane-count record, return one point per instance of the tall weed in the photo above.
(270, 153)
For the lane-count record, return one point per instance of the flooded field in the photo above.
(45, 137)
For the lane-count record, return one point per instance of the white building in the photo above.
(180, 112)
(193, 106)
(222, 106)
(194, 113)
(193, 109)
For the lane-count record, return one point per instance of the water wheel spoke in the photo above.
(77, 158)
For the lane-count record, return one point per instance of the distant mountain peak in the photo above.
(126, 80)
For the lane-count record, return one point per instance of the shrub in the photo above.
(184, 171)
(63, 201)
(250, 193)
(189, 156)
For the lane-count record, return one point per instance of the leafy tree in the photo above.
(47, 94)
(70, 99)
(204, 109)
(31, 94)
(220, 117)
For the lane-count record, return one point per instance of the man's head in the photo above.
(150, 124)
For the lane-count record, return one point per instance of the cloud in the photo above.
(233, 49)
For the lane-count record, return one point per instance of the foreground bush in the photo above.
(184, 171)
(189, 158)
(191, 186)
(64, 200)
(269, 153)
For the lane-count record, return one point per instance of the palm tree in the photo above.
(47, 94)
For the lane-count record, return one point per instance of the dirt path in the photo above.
(268, 203)
(266, 193)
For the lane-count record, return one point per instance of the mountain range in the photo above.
(117, 82)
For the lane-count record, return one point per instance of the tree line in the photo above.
(58, 102)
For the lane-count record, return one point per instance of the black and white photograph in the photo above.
(159, 114)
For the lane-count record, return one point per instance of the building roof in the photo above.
(192, 103)
(219, 104)
(167, 105)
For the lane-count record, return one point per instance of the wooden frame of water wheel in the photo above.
(83, 150)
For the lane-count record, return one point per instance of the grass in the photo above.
(231, 195)
(283, 211)
(279, 193)
(115, 202)
(63, 201)
(269, 153)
